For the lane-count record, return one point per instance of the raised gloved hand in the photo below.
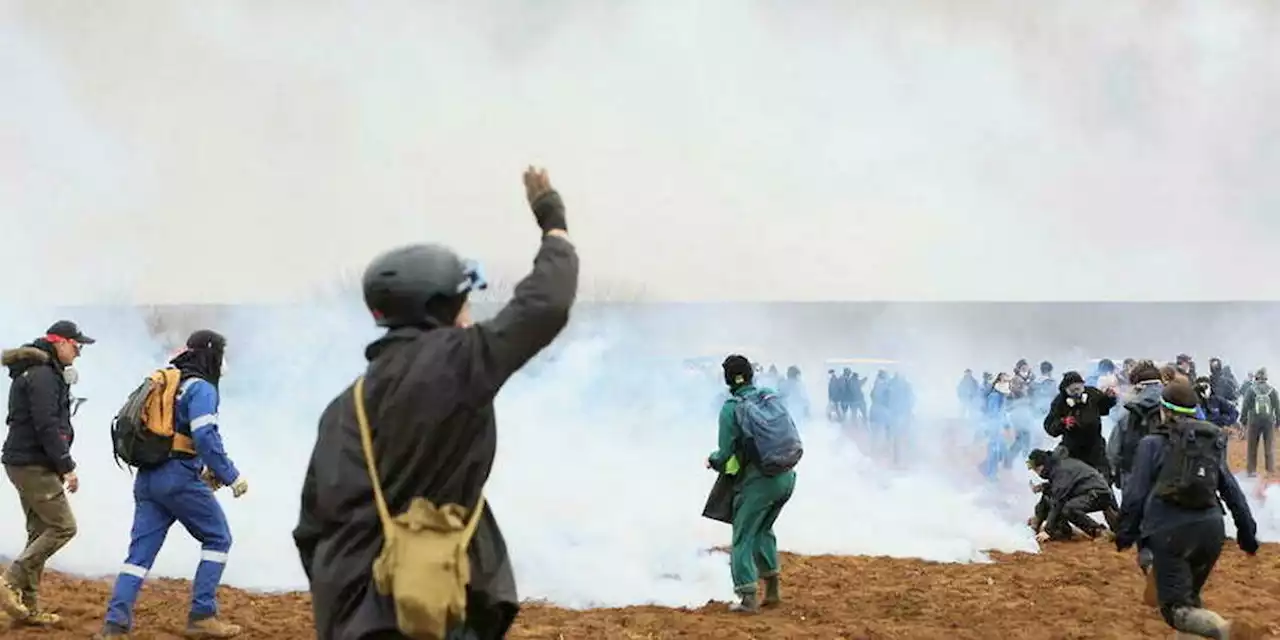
(207, 477)
(239, 487)
(548, 208)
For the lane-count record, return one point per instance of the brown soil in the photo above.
(1073, 590)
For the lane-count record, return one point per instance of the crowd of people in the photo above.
(1166, 453)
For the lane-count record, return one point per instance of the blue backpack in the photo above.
(770, 439)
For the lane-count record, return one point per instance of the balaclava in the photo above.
(202, 357)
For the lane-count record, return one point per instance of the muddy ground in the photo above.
(1070, 591)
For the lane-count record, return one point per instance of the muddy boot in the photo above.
(749, 604)
(772, 591)
(211, 628)
(1201, 623)
(37, 617)
(11, 601)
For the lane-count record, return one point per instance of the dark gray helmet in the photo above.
(414, 285)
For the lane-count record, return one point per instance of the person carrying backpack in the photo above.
(1171, 506)
(175, 482)
(1261, 407)
(760, 446)
(1142, 413)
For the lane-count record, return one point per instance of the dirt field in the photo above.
(1074, 590)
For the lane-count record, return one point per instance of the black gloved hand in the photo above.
(1124, 542)
(1248, 543)
(548, 210)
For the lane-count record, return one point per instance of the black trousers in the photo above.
(1076, 511)
(1183, 558)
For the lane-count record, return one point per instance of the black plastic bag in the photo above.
(719, 505)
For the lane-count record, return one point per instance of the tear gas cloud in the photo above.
(204, 154)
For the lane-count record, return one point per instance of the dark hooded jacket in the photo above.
(1069, 478)
(1083, 441)
(40, 432)
(429, 393)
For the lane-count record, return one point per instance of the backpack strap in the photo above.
(380, 500)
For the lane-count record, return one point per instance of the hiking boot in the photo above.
(211, 628)
(11, 601)
(37, 618)
(772, 591)
(749, 604)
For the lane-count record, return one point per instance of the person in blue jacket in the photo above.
(181, 490)
(996, 426)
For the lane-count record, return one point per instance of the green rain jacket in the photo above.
(727, 458)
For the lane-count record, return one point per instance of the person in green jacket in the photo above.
(757, 501)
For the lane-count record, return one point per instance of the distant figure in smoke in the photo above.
(902, 407)
(1022, 375)
(1222, 381)
(1045, 389)
(996, 430)
(968, 393)
(1248, 383)
(1217, 409)
(772, 378)
(1076, 416)
(881, 412)
(422, 416)
(793, 394)
(853, 400)
(760, 447)
(1187, 367)
(1261, 411)
(835, 396)
(1020, 411)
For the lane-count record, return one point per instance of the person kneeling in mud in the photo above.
(760, 446)
(1171, 505)
(1073, 491)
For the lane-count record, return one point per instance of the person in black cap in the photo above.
(1171, 505)
(181, 490)
(37, 458)
(1076, 415)
(429, 390)
(761, 490)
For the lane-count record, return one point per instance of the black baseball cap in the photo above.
(70, 331)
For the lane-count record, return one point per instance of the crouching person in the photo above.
(177, 475)
(759, 444)
(1171, 504)
(1073, 491)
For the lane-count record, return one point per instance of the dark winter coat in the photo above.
(429, 393)
(40, 432)
(1069, 478)
(1083, 441)
(1142, 413)
(1142, 514)
(1249, 416)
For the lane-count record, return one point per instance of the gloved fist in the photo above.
(239, 487)
(1069, 422)
(207, 477)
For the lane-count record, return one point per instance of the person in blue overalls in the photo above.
(181, 490)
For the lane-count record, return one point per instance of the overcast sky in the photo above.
(253, 151)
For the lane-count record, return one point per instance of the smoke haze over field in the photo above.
(249, 152)
(260, 154)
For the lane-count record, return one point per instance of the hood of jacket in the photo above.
(1146, 396)
(30, 355)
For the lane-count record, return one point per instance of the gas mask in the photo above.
(1003, 387)
(1204, 390)
(223, 368)
(70, 375)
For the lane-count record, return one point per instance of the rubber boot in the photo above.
(749, 604)
(1201, 622)
(211, 628)
(772, 591)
